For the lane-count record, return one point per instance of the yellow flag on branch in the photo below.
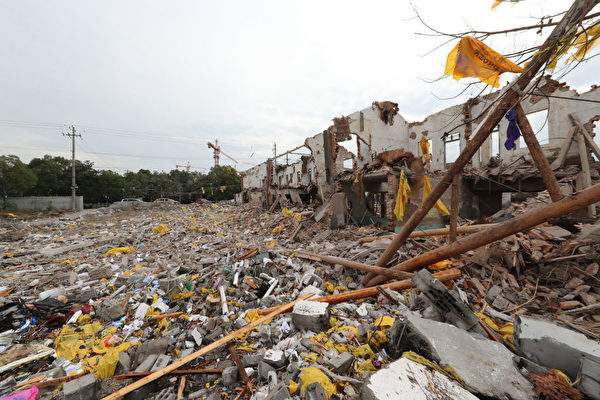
(438, 204)
(402, 196)
(585, 40)
(470, 57)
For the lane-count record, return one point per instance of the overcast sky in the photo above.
(148, 83)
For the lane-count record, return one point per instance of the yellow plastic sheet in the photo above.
(402, 196)
(293, 387)
(471, 58)
(424, 143)
(161, 229)
(448, 371)
(385, 322)
(585, 40)
(311, 375)
(119, 250)
(504, 329)
(438, 204)
(277, 229)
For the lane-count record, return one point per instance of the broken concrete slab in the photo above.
(551, 345)
(311, 315)
(406, 379)
(589, 376)
(341, 363)
(486, 367)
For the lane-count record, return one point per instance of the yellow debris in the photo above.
(119, 250)
(277, 229)
(161, 229)
(311, 375)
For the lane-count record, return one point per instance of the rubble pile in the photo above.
(220, 301)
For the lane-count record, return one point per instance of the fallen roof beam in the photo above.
(510, 227)
(461, 230)
(508, 98)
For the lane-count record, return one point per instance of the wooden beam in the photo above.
(510, 227)
(461, 230)
(593, 146)
(540, 160)
(585, 169)
(214, 345)
(350, 264)
(564, 149)
(507, 99)
(454, 209)
(443, 276)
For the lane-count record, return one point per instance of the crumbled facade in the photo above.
(386, 143)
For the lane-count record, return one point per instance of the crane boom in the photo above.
(217, 151)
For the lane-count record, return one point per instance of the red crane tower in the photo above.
(217, 150)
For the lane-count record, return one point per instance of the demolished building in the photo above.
(366, 181)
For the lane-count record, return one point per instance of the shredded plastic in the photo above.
(448, 370)
(311, 375)
(119, 250)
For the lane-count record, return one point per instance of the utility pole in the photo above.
(274, 153)
(72, 135)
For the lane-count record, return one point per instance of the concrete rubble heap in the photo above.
(97, 300)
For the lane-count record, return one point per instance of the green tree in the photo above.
(111, 186)
(15, 177)
(54, 176)
(225, 182)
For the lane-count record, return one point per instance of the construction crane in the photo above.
(217, 150)
(186, 166)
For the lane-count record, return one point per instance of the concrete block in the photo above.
(147, 364)
(251, 360)
(275, 358)
(83, 388)
(110, 310)
(487, 367)
(406, 379)
(342, 363)
(589, 377)
(311, 315)
(553, 346)
(264, 369)
(230, 376)
(311, 289)
(124, 364)
(155, 346)
(161, 361)
(279, 392)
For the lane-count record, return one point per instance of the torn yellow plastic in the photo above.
(440, 265)
(187, 295)
(161, 229)
(377, 338)
(119, 250)
(425, 146)
(312, 375)
(582, 41)
(505, 329)
(402, 196)
(438, 204)
(329, 287)
(498, 2)
(364, 351)
(384, 322)
(448, 371)
(293, 387)
(365, 366)
(277, 229)
(251, 316)
(298, 217)
(471, 58)
(286, 213)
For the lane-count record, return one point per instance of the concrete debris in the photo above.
(406, 379)
(472, 358)
(553, 346)
(137, 301)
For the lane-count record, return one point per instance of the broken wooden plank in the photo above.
(461, 230)
(540, 160)
(238, 363)
(591, 307)
(500, 231)
(350, 264)
(586, 134)
(214, 345)
(585, 169)
(176, 372)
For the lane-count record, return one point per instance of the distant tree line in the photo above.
(51, 176)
